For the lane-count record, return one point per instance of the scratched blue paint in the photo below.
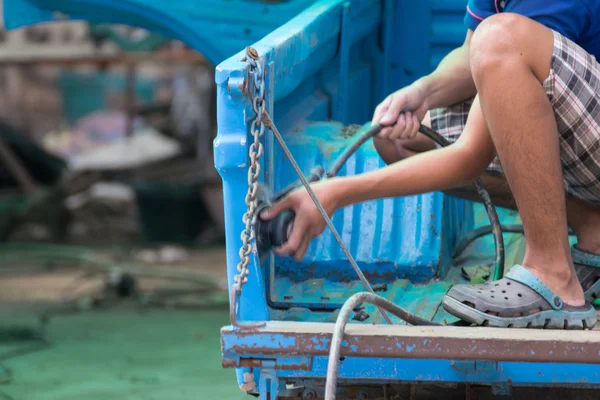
(276, 341)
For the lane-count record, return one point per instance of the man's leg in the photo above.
(510, 59)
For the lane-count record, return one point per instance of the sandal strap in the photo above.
(520, 274)
(586, 258)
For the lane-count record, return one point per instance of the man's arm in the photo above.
(449, 84)
(440, 169)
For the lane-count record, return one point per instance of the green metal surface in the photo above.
(124, 354)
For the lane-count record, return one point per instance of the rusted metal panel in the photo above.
(282, 364)
(446, 343)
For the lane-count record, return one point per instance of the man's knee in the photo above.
(510, 40)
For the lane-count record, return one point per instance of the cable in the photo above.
(482, 231)
(486, 230)
(341, 160)
(340, 326)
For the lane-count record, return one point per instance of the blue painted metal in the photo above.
(308, 300)
(269, 383)
(383, 370)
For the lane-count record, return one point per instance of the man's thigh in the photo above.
(450, 122)
(573, 88)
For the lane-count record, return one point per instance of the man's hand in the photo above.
(390, 112)
(308, 223)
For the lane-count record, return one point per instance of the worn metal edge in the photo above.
(447, 343)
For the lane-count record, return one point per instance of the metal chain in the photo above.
(257, 129)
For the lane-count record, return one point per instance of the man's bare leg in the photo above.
(510, 58)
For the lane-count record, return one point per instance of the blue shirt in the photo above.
(577, 20)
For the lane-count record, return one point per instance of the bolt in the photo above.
(251, 51)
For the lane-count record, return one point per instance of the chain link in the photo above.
(255, 152)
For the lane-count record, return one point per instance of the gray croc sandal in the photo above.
(587, 266)
(520, 300)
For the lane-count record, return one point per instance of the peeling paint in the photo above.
(249, 384)
(466, 345)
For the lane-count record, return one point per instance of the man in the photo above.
(520, 99)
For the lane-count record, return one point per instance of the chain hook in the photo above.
(255, 151)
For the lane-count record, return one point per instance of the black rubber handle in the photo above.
(280, 228)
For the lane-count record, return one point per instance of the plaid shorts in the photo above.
(573, 88)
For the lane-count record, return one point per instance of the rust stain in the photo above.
(348, 131)
(258, 363)
(242, 88)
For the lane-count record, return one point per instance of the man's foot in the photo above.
(560, 280)
(520, 300)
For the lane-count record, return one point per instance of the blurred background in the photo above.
(112, 259)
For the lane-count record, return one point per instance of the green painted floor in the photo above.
(125, 354)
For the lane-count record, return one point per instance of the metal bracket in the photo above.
(281, 363)
(268, 386)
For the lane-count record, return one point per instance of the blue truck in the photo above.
(324, 67)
